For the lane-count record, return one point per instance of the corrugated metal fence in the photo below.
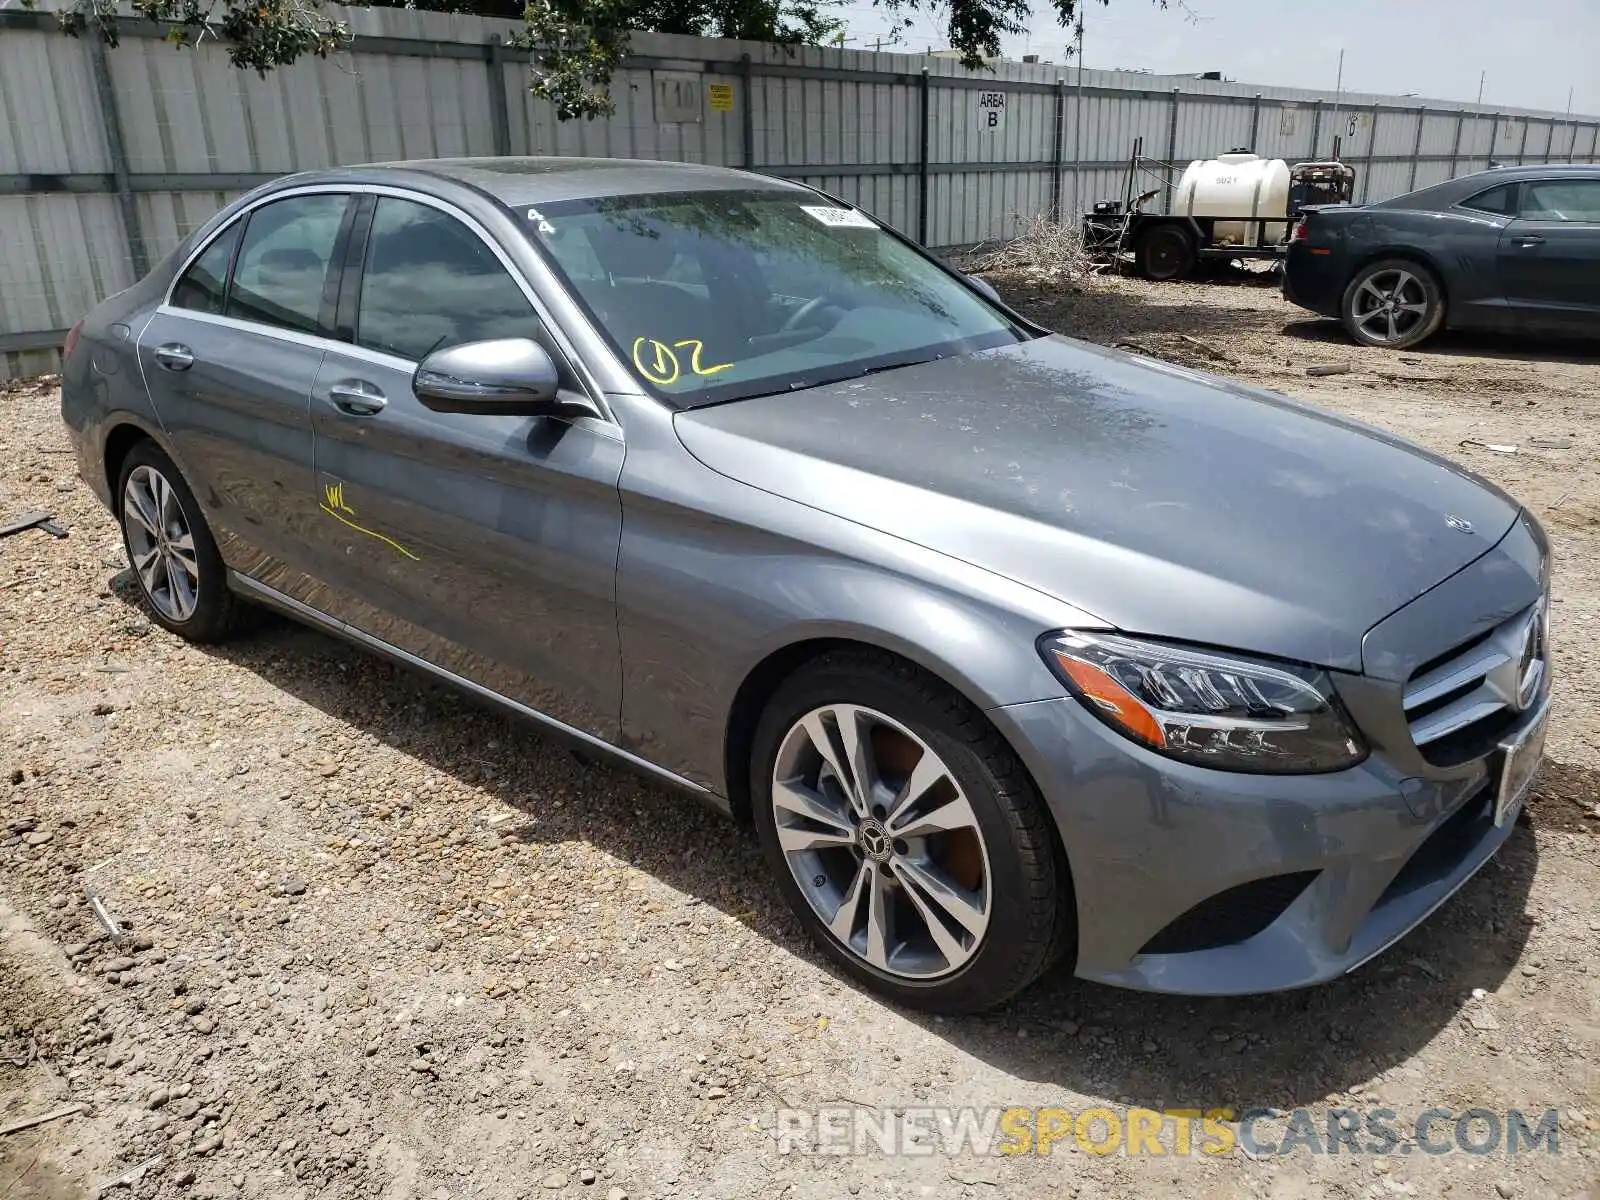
(108, 158)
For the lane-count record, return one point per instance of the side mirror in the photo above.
(987, 288)
(508, 377)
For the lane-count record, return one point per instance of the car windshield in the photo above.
(716, 296)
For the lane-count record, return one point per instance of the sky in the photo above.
(1532, 50)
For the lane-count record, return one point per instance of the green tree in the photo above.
(575, 45)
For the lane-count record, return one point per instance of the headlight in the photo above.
(1209, 709)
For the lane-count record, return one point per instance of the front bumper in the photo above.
(1215, 883)
(1151, 840)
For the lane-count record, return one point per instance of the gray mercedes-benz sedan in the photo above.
(1011, 648)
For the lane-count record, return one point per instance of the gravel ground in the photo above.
(379, 942)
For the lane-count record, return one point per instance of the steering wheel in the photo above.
(803, 315)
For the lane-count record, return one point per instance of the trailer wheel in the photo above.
(1164, 253)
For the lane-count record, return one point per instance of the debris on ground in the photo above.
(1045, 252)
(66, 1110)
(37, 519)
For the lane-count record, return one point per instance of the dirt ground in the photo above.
(379, 942)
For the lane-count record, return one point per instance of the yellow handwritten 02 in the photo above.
(661, 365)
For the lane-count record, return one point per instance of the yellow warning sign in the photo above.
(721, 96)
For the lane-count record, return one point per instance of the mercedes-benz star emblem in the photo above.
(1458, 523)
(874, 840)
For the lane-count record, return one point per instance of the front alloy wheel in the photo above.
(906, 835)
(881, 841)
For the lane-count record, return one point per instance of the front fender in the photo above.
(716, 576)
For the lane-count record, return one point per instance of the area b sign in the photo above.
(992, 111)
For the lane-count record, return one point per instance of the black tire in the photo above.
(217, 612)
(1165, 253)
(1416, 287)
(1031, 920)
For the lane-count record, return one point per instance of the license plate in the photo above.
(1521, 763)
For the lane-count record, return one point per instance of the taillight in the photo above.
(1300, 233)
(71, 342)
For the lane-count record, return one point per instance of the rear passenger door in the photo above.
(229, 362)
(1550, 256)
(484, 545)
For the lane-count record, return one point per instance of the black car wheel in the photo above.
(906, 835)
(174, 557)
(1165, 253)
(1394, 303)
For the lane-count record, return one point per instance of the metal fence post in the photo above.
(922, 162)
(499, 111)
(1055, 170)
(1255, 124)
(1455, 146)
(1316, 128)
(1172, 145)
(138, 252)
(747, 127)
(1494, 136)
(1522, 150)
(1416, 147)
(1372, 155)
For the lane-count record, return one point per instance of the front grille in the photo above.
(1460, 703)
(1230, 917)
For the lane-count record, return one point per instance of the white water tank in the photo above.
(1237, 184)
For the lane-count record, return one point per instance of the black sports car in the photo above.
(1515, 249)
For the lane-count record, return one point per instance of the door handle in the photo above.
(175, 356)
(358, 398)
(1528, 241)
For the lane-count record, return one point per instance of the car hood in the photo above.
(1160, 500)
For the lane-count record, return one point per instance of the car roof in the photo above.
(1452, 191)
(534, 180)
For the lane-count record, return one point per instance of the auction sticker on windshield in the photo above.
(838, 218)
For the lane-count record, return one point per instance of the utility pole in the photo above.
(1077, 117)
(1338, 94)
(1481, 76)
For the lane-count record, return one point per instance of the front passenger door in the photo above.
(485, 545)
(1550, 256)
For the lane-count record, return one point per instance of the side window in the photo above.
(204, 285)
(430, 282)
(1500, 200)
(282, 274)
(1562, 200)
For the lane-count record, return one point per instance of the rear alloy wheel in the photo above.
(905, 835)
(1394, 303)
(171, 550)
(1165, 253)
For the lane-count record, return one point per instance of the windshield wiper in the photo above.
(895, 366)
(800, 385)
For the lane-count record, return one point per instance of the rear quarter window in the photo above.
(1500, 200)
